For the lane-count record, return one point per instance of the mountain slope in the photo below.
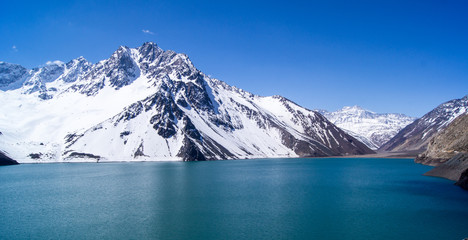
(448, 143)
(416, 136)
(5, 160)
(149, 104)
(373, 129)
(448, 152)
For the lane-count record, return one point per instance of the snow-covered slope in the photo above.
(416, 136)
(149, 104)
(373, 129)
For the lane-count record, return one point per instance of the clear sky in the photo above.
(386, 56)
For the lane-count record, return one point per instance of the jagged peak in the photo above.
(353, 108)
(81, 59)
(149, 44)
(77, 60)
(122, 50)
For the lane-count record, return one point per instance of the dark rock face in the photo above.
(84, 155)
(463, 180)
(190, 151)
(35, 155)
(5, 160)
(417, 135)
(139, 152)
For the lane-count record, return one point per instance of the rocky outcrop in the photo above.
(452, 168)
(448, 143)
(417, 135)
(463, 180)
(448, 151)
(5, 160)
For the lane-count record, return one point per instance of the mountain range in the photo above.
(373, 129)
(416, 136)
(146, 104)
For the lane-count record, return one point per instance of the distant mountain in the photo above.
(373, 129)
(416, 136)
(149, 104)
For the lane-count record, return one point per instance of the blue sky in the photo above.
(386, 56)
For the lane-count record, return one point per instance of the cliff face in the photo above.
(447, 144)
(5, 160)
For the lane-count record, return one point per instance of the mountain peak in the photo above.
(155, 105)
(149, 44)
(354, 108)
(81, 59)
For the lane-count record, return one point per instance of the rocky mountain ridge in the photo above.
(149, 104)
(416, 136)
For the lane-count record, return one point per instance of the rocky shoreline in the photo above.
(448, 153)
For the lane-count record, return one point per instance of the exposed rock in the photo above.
(416, 136)
(463, 180)
(5, 160)
(83, 155)
(448, 143)
(451, 169)
(35, 155)
(149, 104)
(139, 152)
(448, 151)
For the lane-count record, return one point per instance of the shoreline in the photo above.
(403, 155)
(406, 155)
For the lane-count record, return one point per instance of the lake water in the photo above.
(333, 198)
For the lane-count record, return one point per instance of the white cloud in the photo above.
(56, 62)
(14, 48)
(147, 31)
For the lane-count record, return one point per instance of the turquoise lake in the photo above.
(326, 198)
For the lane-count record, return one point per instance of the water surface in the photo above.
(332, 198)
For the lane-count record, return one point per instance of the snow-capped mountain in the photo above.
(149, 104)
(416, 136)
(373, 129)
